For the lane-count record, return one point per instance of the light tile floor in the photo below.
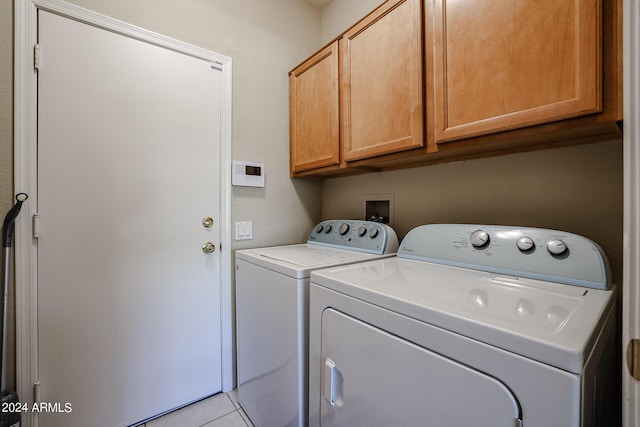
(221, 410)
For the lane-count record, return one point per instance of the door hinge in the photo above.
(36, 57)
(633, 358)
(36, 392)
(36, 226)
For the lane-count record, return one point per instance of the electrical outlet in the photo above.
(244, 230)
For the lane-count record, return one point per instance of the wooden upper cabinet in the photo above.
(313, 106)
(506, 64)
(381, 82)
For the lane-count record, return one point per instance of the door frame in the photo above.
(631, 252)
(25, 179)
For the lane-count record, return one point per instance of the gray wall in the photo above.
(576, 189)
(6, 105)
(341, 14)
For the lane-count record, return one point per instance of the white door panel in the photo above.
(128, 166)
(372, 378)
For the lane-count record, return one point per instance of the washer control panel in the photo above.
(364, 236)
(534, 253)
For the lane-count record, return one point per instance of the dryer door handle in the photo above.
(333, 384)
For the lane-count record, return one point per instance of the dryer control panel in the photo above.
(534, 253)
(365, 236)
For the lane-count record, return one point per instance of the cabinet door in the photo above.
(512, 63)
(313, 104)
(381, 82)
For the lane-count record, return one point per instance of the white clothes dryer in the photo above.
(469, 325)
(272, 302)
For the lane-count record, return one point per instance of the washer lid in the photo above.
(552, 323)
(297, 261)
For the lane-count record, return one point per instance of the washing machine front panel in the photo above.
(370, 379)
(269, 355)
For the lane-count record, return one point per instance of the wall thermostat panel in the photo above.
(247, 174)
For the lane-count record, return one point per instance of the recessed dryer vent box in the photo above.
(379, 207)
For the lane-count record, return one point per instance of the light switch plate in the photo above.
(244, 230)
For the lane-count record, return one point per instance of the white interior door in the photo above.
(128, 307)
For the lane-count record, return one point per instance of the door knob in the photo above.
(207, 222)
(208, 248)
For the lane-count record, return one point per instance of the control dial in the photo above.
(525, 243)
(373, 232)
(479, 239)
(319, 228)
(556, 247)
(362, 231)
(344, 229)
(327, 228)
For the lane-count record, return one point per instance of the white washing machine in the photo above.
(468, 326)
(272, 302)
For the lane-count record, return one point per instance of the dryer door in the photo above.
(372, 378)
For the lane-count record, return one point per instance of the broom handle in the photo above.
(7, 236)
(5, 318)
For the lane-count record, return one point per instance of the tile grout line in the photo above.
(235, 410)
